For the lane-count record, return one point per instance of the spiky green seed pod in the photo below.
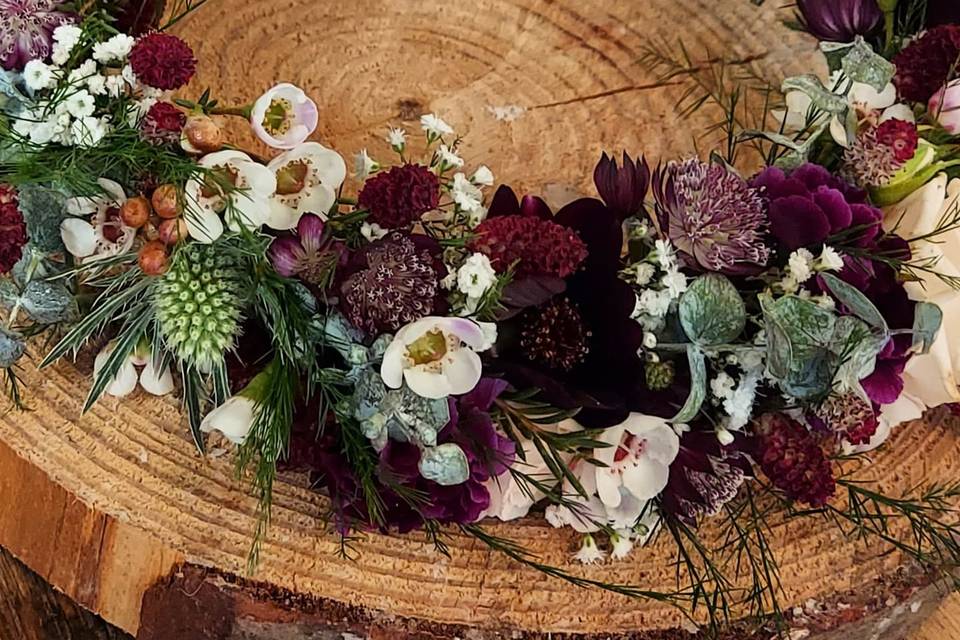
(659, 375)
(199, 305)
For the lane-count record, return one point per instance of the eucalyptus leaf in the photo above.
(856, 346)
(43, 210)
(12, 346)
(811, 377)
(927, 318)
(799, 339)
(9, 294)
(858, 304)
(446, 464)
(711, 310)
(48, 302)
(862, 64)
(698, 385)
(822, 98)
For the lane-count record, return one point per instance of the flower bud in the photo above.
(172, 231)
(135, 212)
(153, 258)
(166, 201)
(944, 106)
(201, 135)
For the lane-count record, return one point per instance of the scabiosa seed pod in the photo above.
(13, 230)
(792, 459)
(926, 64)
(162, 124)
(535, 246)
(162, 61)
(398, 197)
(199, 305)
(878, 153)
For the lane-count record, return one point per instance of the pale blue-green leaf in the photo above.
(12, 346)
(856, 346)
(711, 310)
(862, 64)
(9, 294)
(858, 304)
(445, 464)
(48, 302)
(43, 210)
(927, 318)
(698, 386)
(811, 377)
(822, 98)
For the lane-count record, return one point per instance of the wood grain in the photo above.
(107, 505)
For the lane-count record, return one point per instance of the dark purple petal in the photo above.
(798, 222)
(530, 291)
(622, 188)
(885, 384)
(535, 207)
(840, 20)
(504, 202)
(867, 220)
(599, 229)
(483, 395)
(286, 255)
(310, 230)
(835, 206)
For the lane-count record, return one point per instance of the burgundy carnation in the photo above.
(398, 197)
(793, 460)
(163, 61)
(927, 63)
(13, 230)
(538, 246)
(162, 124)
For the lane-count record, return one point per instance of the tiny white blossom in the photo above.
(789, 284)
(467, 195)
(449, 281)
(115, 85)
(724, 436)
(649, 340)
(622, 544)
(115, 49)
(800, 264)
(825, 302)
(482, 176)
(397, 138)
(644, 271)
(83, 71)
(739, 406)
(722, 386)
(372, 231)
(80, 104)
(59, 54)
(751, 360)
(448, 158)
(38, 75)
(364, 165)
(589, 552)
(67, 34)
(434, 126)
(655, 303)
(476, 275)
(675, 282)
(830, 259)
(665, 254)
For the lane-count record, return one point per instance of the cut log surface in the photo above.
(116, 508)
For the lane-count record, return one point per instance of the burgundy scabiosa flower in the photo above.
(712, 216)
(839, 20)
(162, 124)
(162, 61)
(310, 254)
(792, 459)
(847, 416)
(926, 64)
(880, 152)
(622, 188)
(26, 30)
(705, 475)
(398, 197)
(13, 230)
(809, 204)
(391, 282)
(533, 245)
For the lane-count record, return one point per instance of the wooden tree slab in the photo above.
(116, 509)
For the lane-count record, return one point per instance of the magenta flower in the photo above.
(622, 188)
(839, 20)
(310, 255)
(26, 30)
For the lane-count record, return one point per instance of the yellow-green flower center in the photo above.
(428, 348)
(278, 118)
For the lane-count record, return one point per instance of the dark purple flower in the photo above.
(136, 17)
(839, 20)
(26, 30)
(622, 188)
(942, 12)
(928, 63)
(712, 216)
(809, 205)
(310, 254)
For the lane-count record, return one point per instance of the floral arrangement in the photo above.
(698, 344)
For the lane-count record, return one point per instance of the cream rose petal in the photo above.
(79, 237)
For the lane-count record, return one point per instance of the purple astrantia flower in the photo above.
(310, 254)
(839, 20)
(712, 216)
(26, 30)
(808, 205)
(622, 188)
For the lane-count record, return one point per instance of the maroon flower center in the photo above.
(555, 335)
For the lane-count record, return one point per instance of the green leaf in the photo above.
(822, 98)
(856, 346)
(48, 302)
(859, 304)
(12, 346)
(927, 318)
(862, 64)
(43, 210)
(193, 401)
(698, 385)
(9, 294)
(799, 336)
(711, 311)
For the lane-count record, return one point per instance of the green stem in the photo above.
(888, 24)
(242, 111)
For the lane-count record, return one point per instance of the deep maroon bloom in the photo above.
(809, 205)
(587, 358)
(846, 416)
(162, 124)
(162, 61)
(928, 63)
(13, 230)
(793, 460)
(622, 188)
(26, 30)
(705, 475)
(712, 216)
(532, 245)
(839, 20)
(398, 197)
(310, 254)
(878, 153)
(391, 282)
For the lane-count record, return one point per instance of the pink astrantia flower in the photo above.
(284, 116)
(26, 30)
(309, 254)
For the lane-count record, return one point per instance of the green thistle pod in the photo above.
(659, 375)
(199, 305)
